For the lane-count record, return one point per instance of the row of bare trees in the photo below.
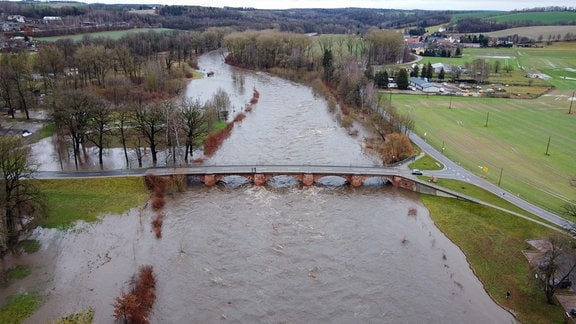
(147, 60)
(179, 126)
(102, 93)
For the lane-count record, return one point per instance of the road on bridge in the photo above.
(451, 171)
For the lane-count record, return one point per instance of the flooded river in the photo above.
(264, 254)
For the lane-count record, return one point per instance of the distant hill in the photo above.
(490, 21)
(535, 32)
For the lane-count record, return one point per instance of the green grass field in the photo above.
(117, 34)
(516, 139)
(514, 143)
(536, 32)
(70, 200)
(543, 18)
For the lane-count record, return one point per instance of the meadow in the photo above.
(536, 32)
(510, 136)
(115, 35)
(541, 17)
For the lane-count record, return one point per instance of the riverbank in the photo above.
(493, 242)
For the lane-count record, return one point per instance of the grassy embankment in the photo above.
(70, 200)
(493, 241)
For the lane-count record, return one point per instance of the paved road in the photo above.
(455, 171)
(450, 171)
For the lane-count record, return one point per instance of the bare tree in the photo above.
(7, 86)
(20, 199)
(72, 114)
(99, 127)
(195, 124)
(150, 121)
(556, 265)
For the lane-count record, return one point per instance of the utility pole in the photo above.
(487, 115)
(450, 105)
(548, 146)
(571, 101)
(500, 178)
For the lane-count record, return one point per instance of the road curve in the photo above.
(454, 171)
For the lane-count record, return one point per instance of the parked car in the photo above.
(416, 172)
(563, 284)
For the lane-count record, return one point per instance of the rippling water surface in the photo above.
(257, 255)
(260, 254)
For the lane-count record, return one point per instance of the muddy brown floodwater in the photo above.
(264, 255)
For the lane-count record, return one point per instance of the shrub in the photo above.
(213, 141)
(239, 117)
(158, 202)
(84, 317)
(136, 305)
(157, 225)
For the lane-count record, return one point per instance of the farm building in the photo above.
(439, 66)
(423, 85)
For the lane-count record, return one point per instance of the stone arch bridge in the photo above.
(307, 175)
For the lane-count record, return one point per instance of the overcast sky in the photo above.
(381, 4)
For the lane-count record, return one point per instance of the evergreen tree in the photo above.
(441, 74)
(328, 64)
(402, 80)
(429, 71)
(381, 79)
(415, 71)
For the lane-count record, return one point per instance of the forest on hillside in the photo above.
(322, 21)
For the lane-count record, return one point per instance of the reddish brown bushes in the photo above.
(154, 182)
(158, 187)
(157, 224)
(158, 202)
(213, 141)
(255, 97)
(240, 117)
(136, 306)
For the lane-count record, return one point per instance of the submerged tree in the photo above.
(72, 114)
(21, 201)
(195, 124)
(150, 121)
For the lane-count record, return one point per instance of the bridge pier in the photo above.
(209, 180)
(308, 179)
(259, 179)
(356, 180)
